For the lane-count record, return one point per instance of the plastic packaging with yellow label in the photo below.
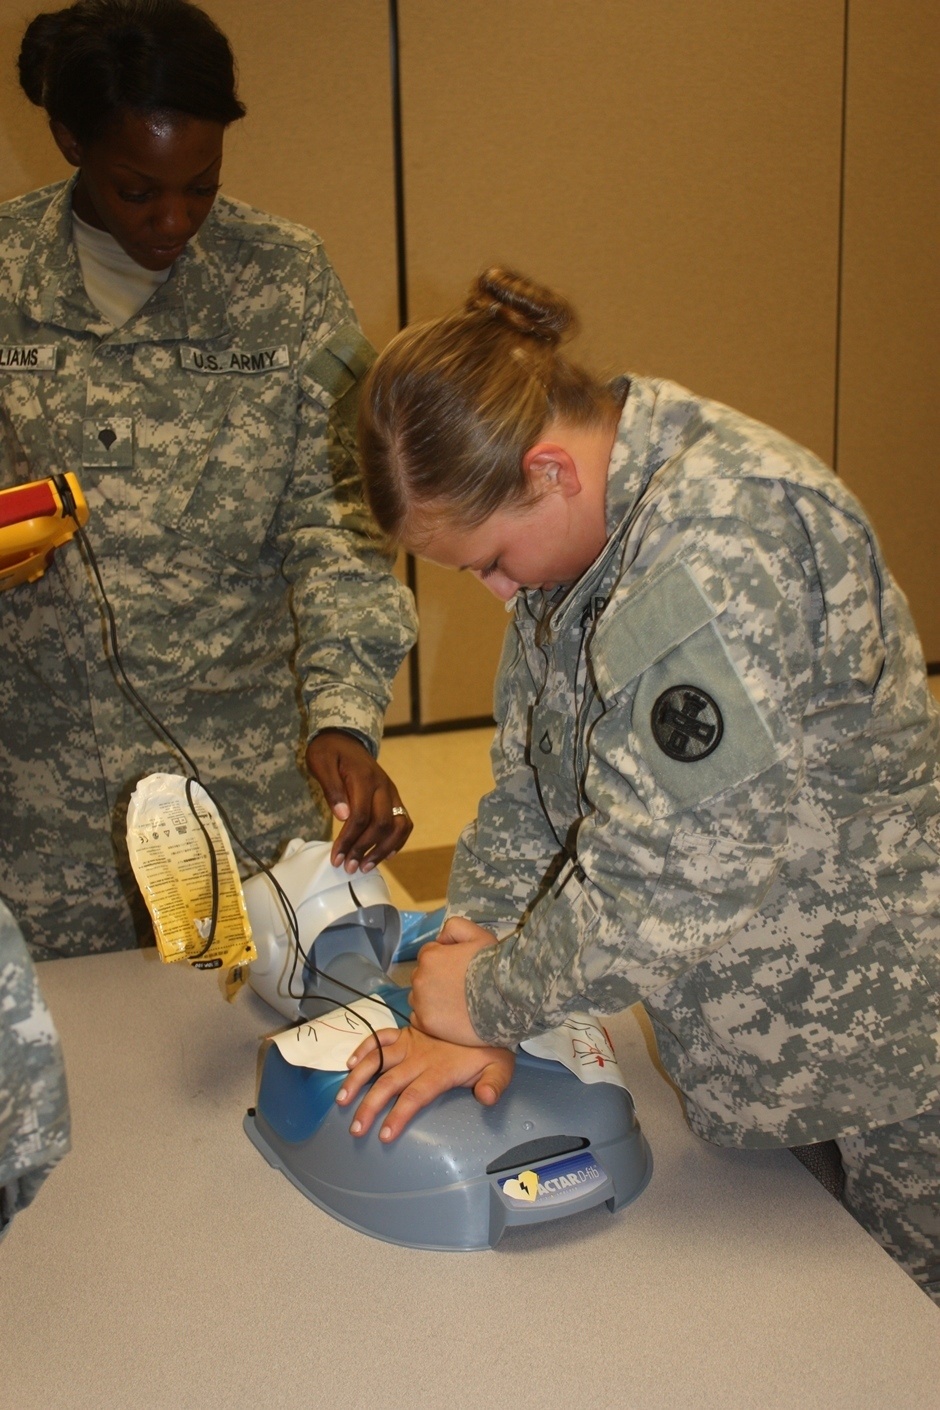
(170, 854)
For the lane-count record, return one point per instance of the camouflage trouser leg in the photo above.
(34, 1107)
(68, 907)
(892, 1187)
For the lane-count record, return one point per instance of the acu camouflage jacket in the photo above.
(716, 775)
(212, 435)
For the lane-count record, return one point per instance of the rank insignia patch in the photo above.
(686, 723)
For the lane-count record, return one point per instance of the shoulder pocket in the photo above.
(665, 607)
(694, 722)
(336, 369)
(697, 725)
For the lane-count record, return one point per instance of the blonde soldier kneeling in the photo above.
(717, 757)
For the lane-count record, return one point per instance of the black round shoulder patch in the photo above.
(686, 723)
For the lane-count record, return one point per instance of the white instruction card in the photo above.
(582, 1044)
(327, 1043)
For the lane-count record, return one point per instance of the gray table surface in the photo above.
(164, 1262)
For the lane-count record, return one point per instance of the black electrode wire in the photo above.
(300, 957)
(157, 725)
(213, 870)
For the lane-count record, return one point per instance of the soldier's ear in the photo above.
(66, 143)
(549, 466)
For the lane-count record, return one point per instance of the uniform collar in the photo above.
(196, 290)
(191, 304)
(52, 291)
(629, 472)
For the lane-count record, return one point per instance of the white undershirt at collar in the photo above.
(116, 284)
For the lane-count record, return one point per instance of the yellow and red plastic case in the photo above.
(35, 518)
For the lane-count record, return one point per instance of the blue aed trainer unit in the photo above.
(461, 1173)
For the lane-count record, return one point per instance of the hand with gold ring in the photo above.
(362, 797)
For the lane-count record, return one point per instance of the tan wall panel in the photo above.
(673, 166)
(316, 146)
(399, 711)
(889, 409)
(461, 632)
(28, 156)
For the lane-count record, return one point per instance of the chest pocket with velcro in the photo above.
(219, 492)
(695, 725)
(551, 755)
(551, 742)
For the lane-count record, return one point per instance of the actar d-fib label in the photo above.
(557, 1183)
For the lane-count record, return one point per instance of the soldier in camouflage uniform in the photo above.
(212, 434)
(717, 765)
(34, 1108)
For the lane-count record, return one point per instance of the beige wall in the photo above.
(889, 406)
(27, 156)
(742, 197)
(675, 166)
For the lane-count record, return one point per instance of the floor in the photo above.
(441, 778)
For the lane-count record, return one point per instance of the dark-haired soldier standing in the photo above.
(195, 362)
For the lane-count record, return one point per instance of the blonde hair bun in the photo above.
(525, 307)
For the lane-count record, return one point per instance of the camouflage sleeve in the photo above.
(355, 620)
(34, 1112)
(671, 858)
(504, 858)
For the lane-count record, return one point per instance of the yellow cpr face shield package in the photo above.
(185, 868)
